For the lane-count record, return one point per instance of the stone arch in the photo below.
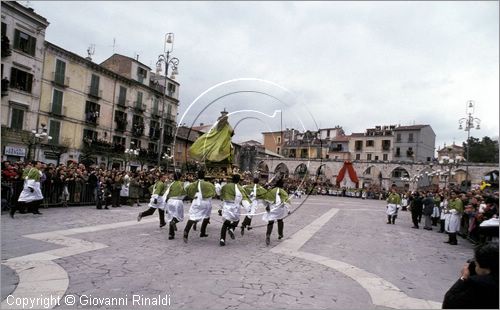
(281, 167)
(399, 176)
(263, 169)
(371, 176)
(301, 171)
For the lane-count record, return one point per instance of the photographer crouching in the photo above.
(477, 288)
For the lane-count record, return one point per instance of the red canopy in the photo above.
(350, 170)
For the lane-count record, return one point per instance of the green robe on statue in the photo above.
(215, 145)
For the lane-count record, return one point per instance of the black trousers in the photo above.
(191, 223)
(270, 225)
(227, 225)
(246, 222)
(441, 228)
(414, 217)
(150, 211)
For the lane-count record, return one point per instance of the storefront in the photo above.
(14, 153)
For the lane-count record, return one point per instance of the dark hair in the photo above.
(280, 183)
(256, 180)
(177, 175)
(201, 174)
(236, 178)
(487, 257)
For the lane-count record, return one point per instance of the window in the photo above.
(370, 143)
(118, 140)
(123, 96)
(385, 157)
(376, 157)
(278, 140)
(358, 156)
(386, 145)
(89, 135)
(54, 129)
(138, 103)
(169, 109)
(24, 42)
(409, 152)
(60, 72)
(155, 106)
(57, 101)
(135, 144)
(278, 150)
(21, 80)
(94, 86)
(92, 111)
(171, 89)
(410, 137)
(141, 74)
(398, 152)
(368, 156)
(4, 29)
(398, 137)
(17, 119)
(358, 145)
(328, 133)
(154, 130)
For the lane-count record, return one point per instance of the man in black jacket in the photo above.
(477, 288)
(416, 209)
(428, 203)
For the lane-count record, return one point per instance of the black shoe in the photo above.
(139, 217)
(268, 240)
(388, 222)
(162, 224)
(393, 223)
(222, 242)
(203, 235)
(280, 237)
(242, 230)
(106, 208)
(453, 243)
(416, 227)
(447, 241)
(37, 212)
(249, 227)
(185, 238)
(170, 237)
(231, 233)
(11, 214)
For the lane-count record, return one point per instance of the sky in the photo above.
(318, 64)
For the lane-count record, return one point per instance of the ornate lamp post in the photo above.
(174, 62)
(448, 164)
(470, 122)
(130, 153)
(37, 136)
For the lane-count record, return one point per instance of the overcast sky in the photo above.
(353, 64)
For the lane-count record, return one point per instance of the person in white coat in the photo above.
(276, 210)
(174, 207)
(452, 221)
(31, 194)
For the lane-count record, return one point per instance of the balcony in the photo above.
(169, 117)
(123, 103)
(60, 79)
(121, 124)
(139, 107)
(137, 129)
(94, 92)
(6, 51)
(155, 113)
(92, 118)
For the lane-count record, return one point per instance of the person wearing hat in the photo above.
(201, 192)
(156, 202)
(276, 210)
(234, 196)
(393, 204)
(452, 221)
(31, 195)
(257, 194)
(174, 207)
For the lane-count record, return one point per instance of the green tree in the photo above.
(484, 151)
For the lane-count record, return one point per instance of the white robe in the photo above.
(174, 207)
(392, 209)
(452, 221)
(278, 210)
(28, 196)
(231, 209)
(200, 208)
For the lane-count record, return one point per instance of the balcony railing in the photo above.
(121, 124)
(169, 117)
(94, 92)
(60, 79)
(139, 107)
(92, 118)
(137, 129)
(123, 103)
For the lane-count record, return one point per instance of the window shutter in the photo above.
(16, 39)
(31, 46)
(57, 102)
(29, 81)
(55, 127)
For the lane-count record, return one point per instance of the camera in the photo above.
(472, 267)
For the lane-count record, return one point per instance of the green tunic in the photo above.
(271, 195)
(32, 174)
(158, 188)
(456, 204)
(227, 192)
(394, 198)
(176, 190)
(261, 191)
(207, 189)
(214, 145)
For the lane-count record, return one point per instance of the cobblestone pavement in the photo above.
(345, 257)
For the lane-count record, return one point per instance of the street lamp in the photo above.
(174, 62)
(128, 153)
(470, 122)
(37, 136)
(167, 158)
(449, 163)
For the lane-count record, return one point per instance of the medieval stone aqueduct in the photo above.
(381, 173)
